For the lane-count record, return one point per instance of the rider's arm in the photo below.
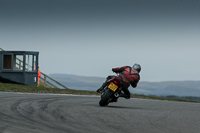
(134, 83)
(118, 69)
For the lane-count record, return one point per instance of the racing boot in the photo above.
(102, 87)
(124, 95)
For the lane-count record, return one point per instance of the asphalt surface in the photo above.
(43, 113)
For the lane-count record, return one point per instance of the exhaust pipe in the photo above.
(116, 94)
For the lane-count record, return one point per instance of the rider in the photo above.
(128, 75)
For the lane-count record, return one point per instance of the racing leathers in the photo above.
(128, 75)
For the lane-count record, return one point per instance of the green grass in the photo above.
(30, 89)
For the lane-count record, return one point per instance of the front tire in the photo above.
(105, 97)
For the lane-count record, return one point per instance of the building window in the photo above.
(29, 62)
(18, 62)
(34, 62)
(7, 61)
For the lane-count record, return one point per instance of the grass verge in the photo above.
(31, 89)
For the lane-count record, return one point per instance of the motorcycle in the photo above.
(111, 92)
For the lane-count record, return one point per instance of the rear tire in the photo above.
(105, 97)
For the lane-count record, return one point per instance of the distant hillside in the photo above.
(79, 82)
(178, 88)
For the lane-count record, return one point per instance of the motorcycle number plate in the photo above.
(113, 86)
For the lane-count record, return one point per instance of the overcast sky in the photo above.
(90, 37)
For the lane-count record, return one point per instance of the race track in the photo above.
(43, 113)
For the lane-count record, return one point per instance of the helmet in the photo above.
(137, 67)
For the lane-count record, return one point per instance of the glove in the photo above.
(113, 69)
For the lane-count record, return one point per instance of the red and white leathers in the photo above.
(129, 76)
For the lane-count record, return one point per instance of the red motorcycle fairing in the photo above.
(116, 80)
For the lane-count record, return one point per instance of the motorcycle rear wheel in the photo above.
(105, 97)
